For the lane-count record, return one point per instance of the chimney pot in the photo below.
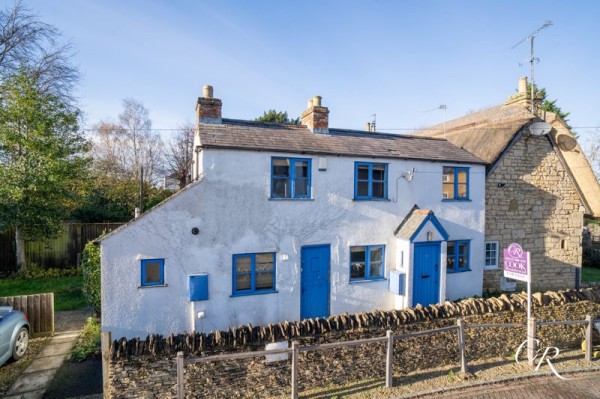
(207, 91)
(316, 117)
(523, 84)
(208, 108)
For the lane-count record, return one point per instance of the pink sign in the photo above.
(516, 263)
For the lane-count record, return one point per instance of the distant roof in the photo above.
(485, 133)
(259, 136)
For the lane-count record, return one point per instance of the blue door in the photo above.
(314, 299)
(426, 274)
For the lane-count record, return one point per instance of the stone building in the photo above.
(539, 185)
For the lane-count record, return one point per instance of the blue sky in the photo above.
(397, 59)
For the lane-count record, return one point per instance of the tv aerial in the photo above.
(532, 58)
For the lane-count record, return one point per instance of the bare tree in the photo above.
(27, 44)
(122, 149)
(178, 157)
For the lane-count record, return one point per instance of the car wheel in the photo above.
(20, 346)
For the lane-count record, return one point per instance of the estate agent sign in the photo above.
(516, 263)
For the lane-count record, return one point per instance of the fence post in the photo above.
(105, 339)
(389, 360)
(294, 369)
(461, 345)
(589, 334)
(180, 392)
(531, 333)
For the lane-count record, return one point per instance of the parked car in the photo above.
(14, 334)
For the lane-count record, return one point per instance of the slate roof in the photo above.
(412, 222)
(257, 136)
(485, 133)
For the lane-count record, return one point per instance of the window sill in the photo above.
(371, 199)
(456, 200)
(153, 286)
(372, 280)
(241, 294)
(291, 199)
(490, 268)
(457, 271)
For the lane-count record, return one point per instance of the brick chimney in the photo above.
(208, 108)
(316, 117)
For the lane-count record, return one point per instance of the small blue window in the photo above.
(367, 262)
(290, 178)
(370, 181)
(457, 256)
(455, 183)
(153, 272)
(253, 273)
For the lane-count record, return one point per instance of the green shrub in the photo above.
(88, 344)
(90, 266)
(35, 271)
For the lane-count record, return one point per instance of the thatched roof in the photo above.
(485, 133)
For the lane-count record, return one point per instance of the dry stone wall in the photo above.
(146, 369)
(530, 199)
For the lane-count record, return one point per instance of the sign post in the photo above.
(517, 265)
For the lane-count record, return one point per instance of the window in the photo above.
(290, 178)
(367, 262)
(153, 272)
(457, 256)
(253, 273)
(370, 180)
(455, 183)
(491, 255)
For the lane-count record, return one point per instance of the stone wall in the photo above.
(530, 199)
(146, 369)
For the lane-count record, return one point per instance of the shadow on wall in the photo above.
(530, 200)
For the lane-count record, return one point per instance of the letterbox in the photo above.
(397, 282)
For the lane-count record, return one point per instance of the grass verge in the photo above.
(67, 290)
(88, 345)
(590, 274)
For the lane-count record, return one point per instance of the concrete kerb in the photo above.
(495, 381)
(37, 377)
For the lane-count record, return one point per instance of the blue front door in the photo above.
(426, 274)
(314, 300)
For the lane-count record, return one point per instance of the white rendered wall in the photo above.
(232, 209)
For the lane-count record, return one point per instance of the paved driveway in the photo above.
(578, 386)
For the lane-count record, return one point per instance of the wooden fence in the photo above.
(389, 339)
(60, 252)
(39, 309)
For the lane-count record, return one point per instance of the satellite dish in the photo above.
(540, 128)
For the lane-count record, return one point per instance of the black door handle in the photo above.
(425, 276)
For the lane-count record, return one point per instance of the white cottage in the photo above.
(285, 222)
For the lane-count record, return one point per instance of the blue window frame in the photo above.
(253, 273)
(457, 256)
(153, 272)
(367, 262)
(455, 183)
(370, 181)
(290, 177)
